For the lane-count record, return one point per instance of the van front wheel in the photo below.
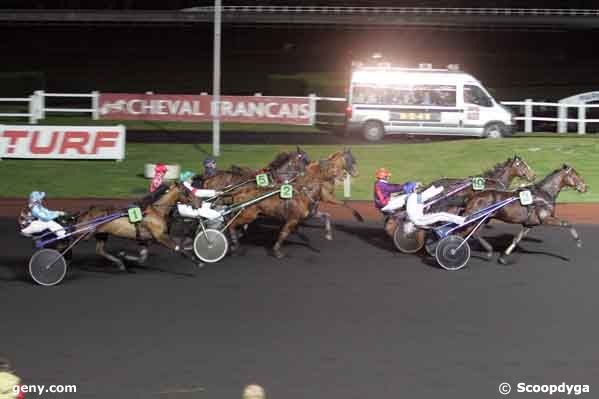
(373, 131)
(495, 131)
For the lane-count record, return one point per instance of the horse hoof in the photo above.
(278, 254)
(122, 254)
(329, 237)
(579, 244)
(502, 260)
(489, 255)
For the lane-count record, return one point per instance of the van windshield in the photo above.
(475, 95)
(420, 95)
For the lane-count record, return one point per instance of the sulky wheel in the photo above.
(47, 267)
(452, 253)
(210, 245)
(408, 243)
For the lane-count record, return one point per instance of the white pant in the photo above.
(415, 209)
(395, 203)
(205, 211)
(37, 226)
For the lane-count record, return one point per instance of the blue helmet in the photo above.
(186, 175)
(209, 161)
(36, 196)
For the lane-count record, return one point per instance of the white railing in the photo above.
(38, 110)
(41, 109)
(562, 108)
(30, 114)
(404, 10)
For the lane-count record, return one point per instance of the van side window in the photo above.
(424, 95)
(475, 95)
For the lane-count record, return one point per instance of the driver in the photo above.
(209, 167)
(415, 209)
(36, 218)
(383, 190)
(205, 210)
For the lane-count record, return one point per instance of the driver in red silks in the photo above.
(383, 189)
(159, 172)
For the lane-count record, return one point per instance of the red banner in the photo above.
(194, 108)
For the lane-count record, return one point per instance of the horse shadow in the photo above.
(374, 236)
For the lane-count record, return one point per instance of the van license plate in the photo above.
(416, 116)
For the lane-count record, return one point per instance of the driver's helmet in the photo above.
(160, 168)
(209, 163)
(36, 197)
(382, 173)
(186, 175)
(253, 391)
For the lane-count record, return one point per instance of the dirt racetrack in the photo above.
(577, 213)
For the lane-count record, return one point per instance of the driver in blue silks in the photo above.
(37, 218)
(209, 167)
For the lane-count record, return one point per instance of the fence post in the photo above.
(582, 125)
(40, 105)
(95, 105)
(528, 115)
(32, 109)
(312, 98)
(347, 186)
(562, 113)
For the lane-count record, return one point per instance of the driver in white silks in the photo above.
(205, 210)
(415, 209)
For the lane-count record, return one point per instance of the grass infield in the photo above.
(420, 162)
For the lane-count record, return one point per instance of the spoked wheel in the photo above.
(408, 243)
(452, 253)
(47, 267)
(210, 245)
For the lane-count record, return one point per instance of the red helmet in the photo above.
(160, 168)
(382, 173)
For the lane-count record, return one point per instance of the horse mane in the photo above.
(545, 179)
(491, 171)
(279, 161)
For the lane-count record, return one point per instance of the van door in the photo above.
(478, 109)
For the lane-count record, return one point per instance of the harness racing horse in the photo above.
(309, 190)
(540, 212)
(152, 227)
(284, 167)
(500, 177)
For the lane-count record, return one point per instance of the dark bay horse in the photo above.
(540, 212)
(153, 226)
(499, 177)
(309, 190)
(285, 166)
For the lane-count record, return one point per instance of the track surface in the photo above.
(344, 319)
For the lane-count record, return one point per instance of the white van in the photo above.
(389, 100)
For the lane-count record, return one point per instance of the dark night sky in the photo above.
(177, 4)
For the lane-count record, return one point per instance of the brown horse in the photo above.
(540, 212)
(500, 177)
(153, 226)
(284, 167)
(315, 186)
